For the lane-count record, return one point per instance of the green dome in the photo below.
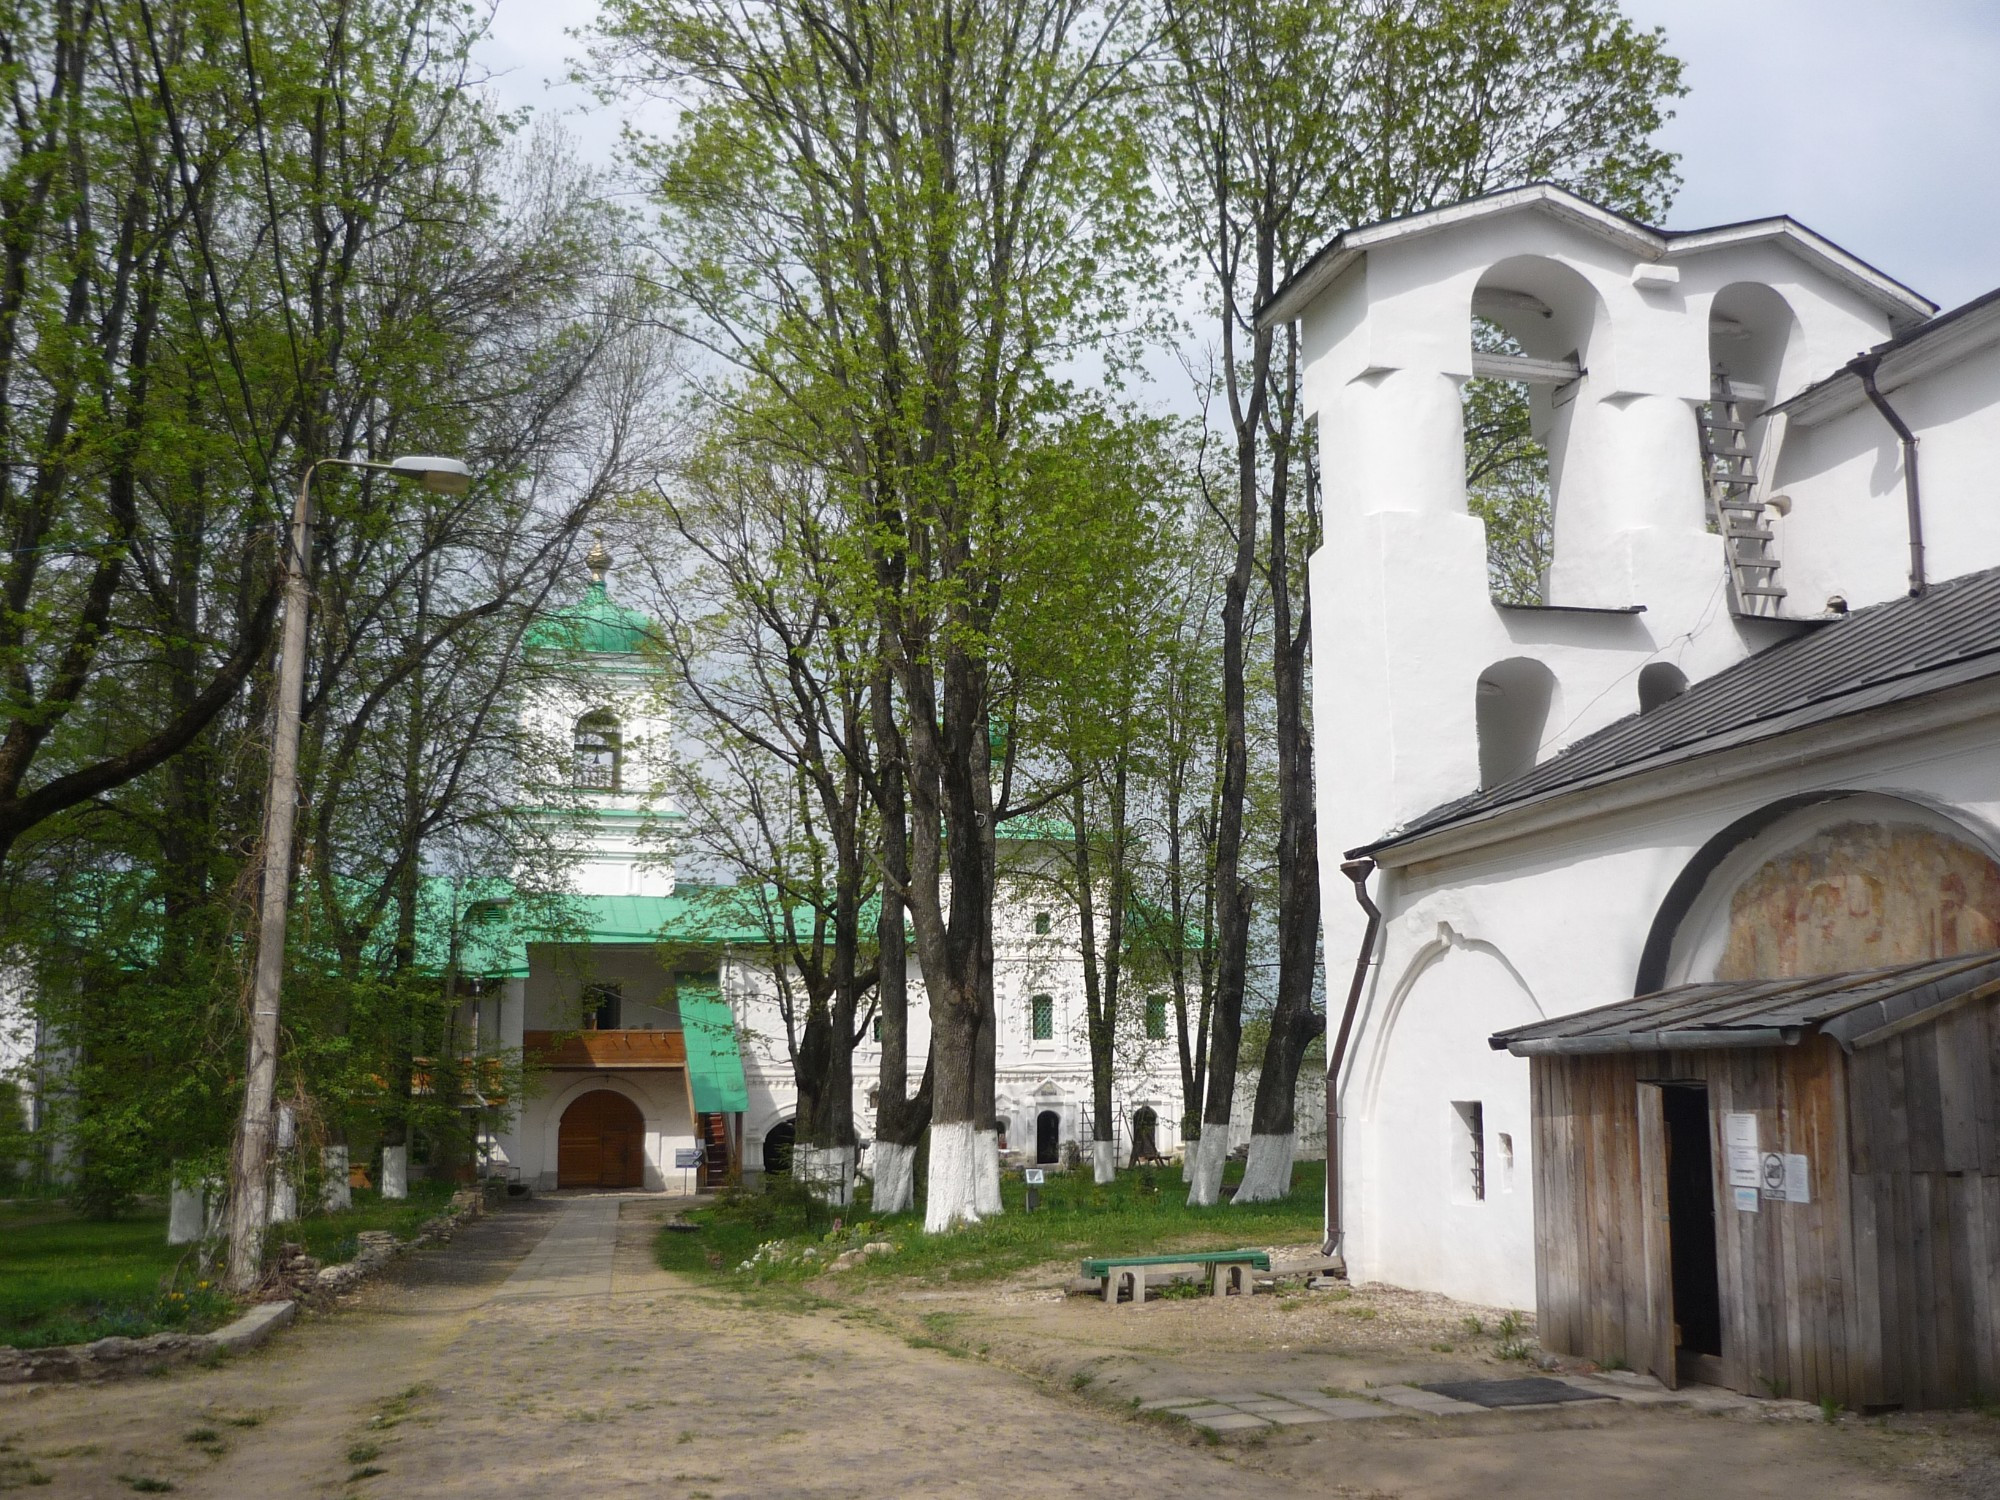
(595, 624)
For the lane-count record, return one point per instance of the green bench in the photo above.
(1226, 1270)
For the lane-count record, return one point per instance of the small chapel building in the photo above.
(1689, 866)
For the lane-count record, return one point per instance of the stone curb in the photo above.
(114, 1357)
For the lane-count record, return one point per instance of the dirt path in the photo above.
(543, 1354)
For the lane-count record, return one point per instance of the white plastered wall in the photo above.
(1847, 532)
(1554, 922)
(1404, 627)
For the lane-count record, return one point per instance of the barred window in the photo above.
(1044, 1008)
(1156, 1018)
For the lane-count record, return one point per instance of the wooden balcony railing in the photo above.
(605, 1049)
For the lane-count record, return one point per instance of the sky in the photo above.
(1875, 122)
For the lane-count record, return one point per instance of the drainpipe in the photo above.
(1865, 368)
(1358, 871)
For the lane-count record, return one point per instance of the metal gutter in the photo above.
(1358, 871)
(1652, 1041)
(1912, 501)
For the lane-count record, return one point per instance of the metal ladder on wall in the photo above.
(1729, 472)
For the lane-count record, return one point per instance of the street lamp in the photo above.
(249, 1199)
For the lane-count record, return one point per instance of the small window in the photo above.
(1660, 682)
(602, 1004)
(599, 758)
(875, 1029)
(1156, 1018)
(1044, 1007)
(1041, 924)
(1506, 1144)
(1469, 1152)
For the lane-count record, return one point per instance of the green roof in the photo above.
(695, 915)
(596, 624)
(715, 1065)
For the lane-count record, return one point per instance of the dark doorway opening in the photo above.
(1691, 1221)
(778, 1148)
(1048, 1137)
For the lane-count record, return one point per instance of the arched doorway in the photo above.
(1048, 1137)
(601, 1143)
(778, 1142)
(1145, 1134)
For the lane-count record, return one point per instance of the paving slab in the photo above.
(1428, 1402)
(1167, 1403)
(1298, 1416)
(1203, 1413)
(1234, 1422)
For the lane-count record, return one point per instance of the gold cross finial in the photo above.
(598, 560)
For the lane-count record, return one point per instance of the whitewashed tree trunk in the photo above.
(395, 1171)
(950, 1199)
(185, 1220)
(216, 1215)
(1267, 1175)
(986, 1187)
(1190, 1145)
(284, 1196)
(1206, 1186)
(1104, 1161)
(827, 1172)
(895, 1177)
(334, 1194)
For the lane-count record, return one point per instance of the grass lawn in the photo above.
(65, 1280)
(331, 1238)
(1144, 1212)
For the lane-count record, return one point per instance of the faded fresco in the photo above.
(1862, 896)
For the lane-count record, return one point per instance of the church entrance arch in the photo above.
(601, 1143)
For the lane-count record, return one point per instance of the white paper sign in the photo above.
(1739, 1141)
(1798, 1179)
(1746, 1200)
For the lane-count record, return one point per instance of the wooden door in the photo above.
(1657, 1357)
(601, 1143)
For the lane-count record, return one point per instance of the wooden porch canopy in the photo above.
(1853, 1009)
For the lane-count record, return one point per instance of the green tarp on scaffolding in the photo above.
(715, 1066)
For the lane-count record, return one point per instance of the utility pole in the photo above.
(250, 1162)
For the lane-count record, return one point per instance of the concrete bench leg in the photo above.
(1111, 1287)
(1217, 1286)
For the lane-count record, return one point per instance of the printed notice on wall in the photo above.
(1798, 1179)
(1746, 1200)
(1739, 1143)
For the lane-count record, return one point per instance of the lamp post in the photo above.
(249, 1197)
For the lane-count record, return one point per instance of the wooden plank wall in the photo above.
(1787, 1277)
(1883, 1290)
(1924, 1112)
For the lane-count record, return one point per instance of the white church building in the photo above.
(651, 1013)
(1748, 733)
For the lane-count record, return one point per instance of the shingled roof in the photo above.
(1885, 654)
(1761, 1012)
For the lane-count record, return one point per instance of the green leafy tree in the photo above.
(1409, 104)
(893, 220)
